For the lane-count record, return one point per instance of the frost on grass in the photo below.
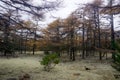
(15, 67)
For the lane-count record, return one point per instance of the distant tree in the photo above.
(53, 36)
(72, 24)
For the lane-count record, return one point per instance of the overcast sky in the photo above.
(63, 12)
(68, 7)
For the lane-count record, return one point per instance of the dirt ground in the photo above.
(16, 67)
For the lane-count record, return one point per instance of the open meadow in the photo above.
(76, 70)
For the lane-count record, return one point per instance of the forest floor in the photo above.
(16, 67)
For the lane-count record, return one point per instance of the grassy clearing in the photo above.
(15, 67)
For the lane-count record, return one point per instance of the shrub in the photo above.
(49, 61)
(116, 64)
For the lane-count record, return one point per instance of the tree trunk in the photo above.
(112, 31)
(83, 43)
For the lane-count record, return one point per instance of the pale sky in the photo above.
(63, 12)
(67, 8)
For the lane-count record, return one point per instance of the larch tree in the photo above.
(12, 12)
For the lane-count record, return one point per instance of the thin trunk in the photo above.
(99, 35)
(83, 43)
(6, 34)
(34, 45)
(112, 31)
(97, 27)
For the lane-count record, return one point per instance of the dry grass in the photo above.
(15, 67)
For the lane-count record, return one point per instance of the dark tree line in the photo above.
(13, 28)
(85, 31)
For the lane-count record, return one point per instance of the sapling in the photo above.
(49, 61)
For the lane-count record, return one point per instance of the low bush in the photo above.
(49, 61)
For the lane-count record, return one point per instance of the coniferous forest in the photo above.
(83, 46)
